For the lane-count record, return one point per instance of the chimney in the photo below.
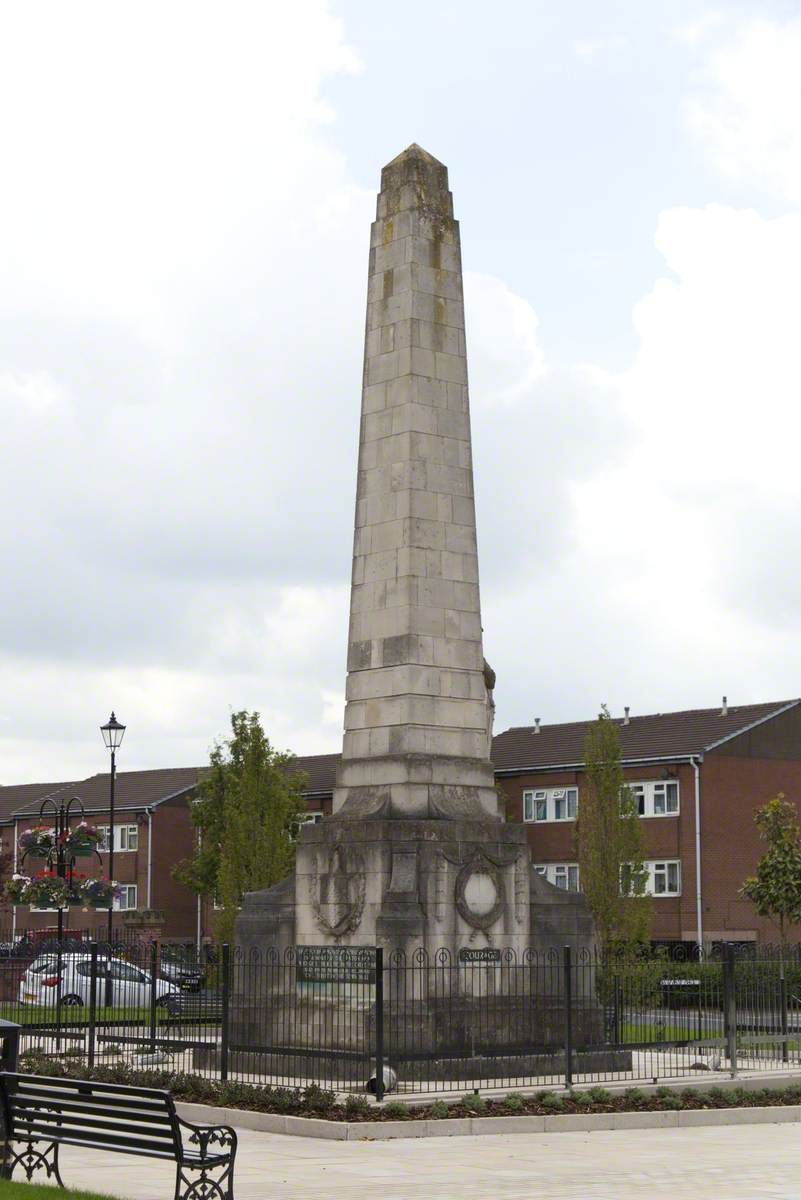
(626, 716)
(724, 712)
(536, 724)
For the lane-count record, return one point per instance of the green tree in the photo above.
(247, 813)
(775, 889)
(609, 844)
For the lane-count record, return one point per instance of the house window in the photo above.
(311, 818)
(126, 837)
(127, 897)
(551, 804)
(656, 798)
(664, 878)
(561, 875)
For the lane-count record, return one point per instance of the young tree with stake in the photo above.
(247, 813)
(609, 844)
(775, 888)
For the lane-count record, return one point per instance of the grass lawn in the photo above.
(650, 1032)
(43, 1014)
(11, 1190)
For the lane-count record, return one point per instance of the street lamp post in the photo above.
(113, 733)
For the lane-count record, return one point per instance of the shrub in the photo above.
(551, 1100)
(397, 1111)
(514, 1102)
(600, 1095)
(438, 1110)
(474, 1103)
(582, 1099)
(634, 1095)
(356, 1106)
(317, 1099)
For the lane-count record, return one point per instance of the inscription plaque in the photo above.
(336, 964)
(487, 955)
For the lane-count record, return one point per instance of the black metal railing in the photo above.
(343, 1018)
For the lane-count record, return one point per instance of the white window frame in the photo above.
(559, 874)
(661, 866)
(122, 836)
(312, 818)
(127, 888)
(651, 791)
(546, 801)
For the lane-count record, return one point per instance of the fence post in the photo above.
(226, 980)
(379, 1023)
(783, 1002)
(10, 1053)
(568, 990)
(730, 1007)
(9, 1061)
(154, 967)
(618, 990)
(92, 1003)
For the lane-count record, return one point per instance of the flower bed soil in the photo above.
(313, 1101)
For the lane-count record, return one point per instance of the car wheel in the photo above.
(72, 1001)
(164, 1001)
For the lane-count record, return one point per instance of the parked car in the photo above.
(182, 972)
(130, 986)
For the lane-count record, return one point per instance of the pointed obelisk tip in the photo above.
(415, 165)
(415, 151)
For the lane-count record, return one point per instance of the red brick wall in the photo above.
(731, 790)
(173, 840)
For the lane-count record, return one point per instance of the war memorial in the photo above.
(417, 860)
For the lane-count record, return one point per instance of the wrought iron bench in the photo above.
(108, 1116)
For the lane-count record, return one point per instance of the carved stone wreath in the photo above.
(479, 864)
(337, 895)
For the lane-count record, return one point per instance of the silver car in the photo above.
(130, 986)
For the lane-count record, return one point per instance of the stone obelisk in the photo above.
(418, 712)
(415, 854)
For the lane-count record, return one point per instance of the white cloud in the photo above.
(180, 347)
(746, 114)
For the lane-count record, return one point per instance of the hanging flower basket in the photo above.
(75, 893)
(16, 888)
(99, 893)
(47, 890)
(37, 841)
(82, 841)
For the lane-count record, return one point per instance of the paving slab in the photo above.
(742, 1162)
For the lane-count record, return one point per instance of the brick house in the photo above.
(698, 777)
(152, 830)
(720, 763)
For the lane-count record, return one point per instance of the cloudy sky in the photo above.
(184, 220)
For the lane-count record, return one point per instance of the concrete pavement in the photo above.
(735, 1162)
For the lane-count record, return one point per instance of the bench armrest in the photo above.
(207, 1137)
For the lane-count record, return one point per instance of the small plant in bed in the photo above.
(396, 1110)
(474, 1103)
(314, 1101)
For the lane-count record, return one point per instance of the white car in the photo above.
(130, 986)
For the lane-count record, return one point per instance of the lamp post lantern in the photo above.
(113, 733)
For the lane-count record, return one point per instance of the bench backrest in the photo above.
(77, 1112)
